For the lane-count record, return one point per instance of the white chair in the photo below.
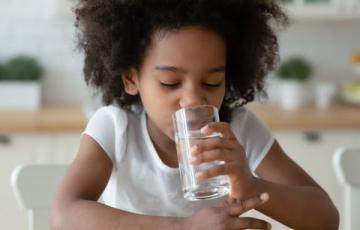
(35, 186)
(346, 162)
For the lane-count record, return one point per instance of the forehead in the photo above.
(187, 44)
(191, 31)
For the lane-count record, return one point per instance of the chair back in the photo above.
(346, 163)
(34, 187)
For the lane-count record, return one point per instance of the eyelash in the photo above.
(169, 85)
(177, 84)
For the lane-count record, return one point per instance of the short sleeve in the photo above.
(252, 133)
(107, 127)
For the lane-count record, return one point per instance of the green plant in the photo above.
(22, 68)
(1, 71)
(294, 68)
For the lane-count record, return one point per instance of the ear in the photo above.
(130, 81)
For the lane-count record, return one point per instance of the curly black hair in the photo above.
(115, 34)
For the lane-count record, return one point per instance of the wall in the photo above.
(40, 28)
(328, 45)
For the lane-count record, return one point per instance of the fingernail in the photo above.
(198, 175)
(193, 149)
(205, 128)
(193, 160)
(264, 196)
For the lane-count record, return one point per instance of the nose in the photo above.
(192, 97)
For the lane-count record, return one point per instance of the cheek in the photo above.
(168, 126)
(218, 98)
(162, 116)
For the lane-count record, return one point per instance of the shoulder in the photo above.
(107, 121)
(248, 127)
(108, 115)
(107, 125)
(110, 111)
(242, 115)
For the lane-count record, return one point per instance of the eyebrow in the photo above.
(182, 70)
(170, 68)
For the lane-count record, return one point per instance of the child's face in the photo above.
(180, 69)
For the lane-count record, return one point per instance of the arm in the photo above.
(76, 205)
(295, 198)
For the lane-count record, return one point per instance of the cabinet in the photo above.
(18, 149)
(323, 9)
(315, 156)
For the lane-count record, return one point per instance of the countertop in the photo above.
(60, 118)
(308, 118)
(54, 118)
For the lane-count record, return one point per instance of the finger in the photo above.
(213, 172)
(240, 206)
(248, 223)
(226, 168)
(220, 127)
(210, 144)
(211, 155)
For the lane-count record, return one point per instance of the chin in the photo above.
(170, 134)
(171, 137)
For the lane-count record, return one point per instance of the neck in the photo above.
(165, 147)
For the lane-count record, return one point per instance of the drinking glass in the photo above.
(187, 125)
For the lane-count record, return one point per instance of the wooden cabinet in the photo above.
(48, 135)
(316, 156)
(18, 149)
(323, 9)
(314, 151)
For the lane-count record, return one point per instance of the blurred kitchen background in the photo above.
(320, 49)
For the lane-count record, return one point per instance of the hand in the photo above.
(230, 151)
(226, 217)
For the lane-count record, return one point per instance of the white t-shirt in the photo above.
(140, 182)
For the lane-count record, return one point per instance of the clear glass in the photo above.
(187, 124)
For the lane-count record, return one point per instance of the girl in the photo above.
(150, 58)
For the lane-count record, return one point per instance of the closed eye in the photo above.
(212, 85)
(172, 85)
